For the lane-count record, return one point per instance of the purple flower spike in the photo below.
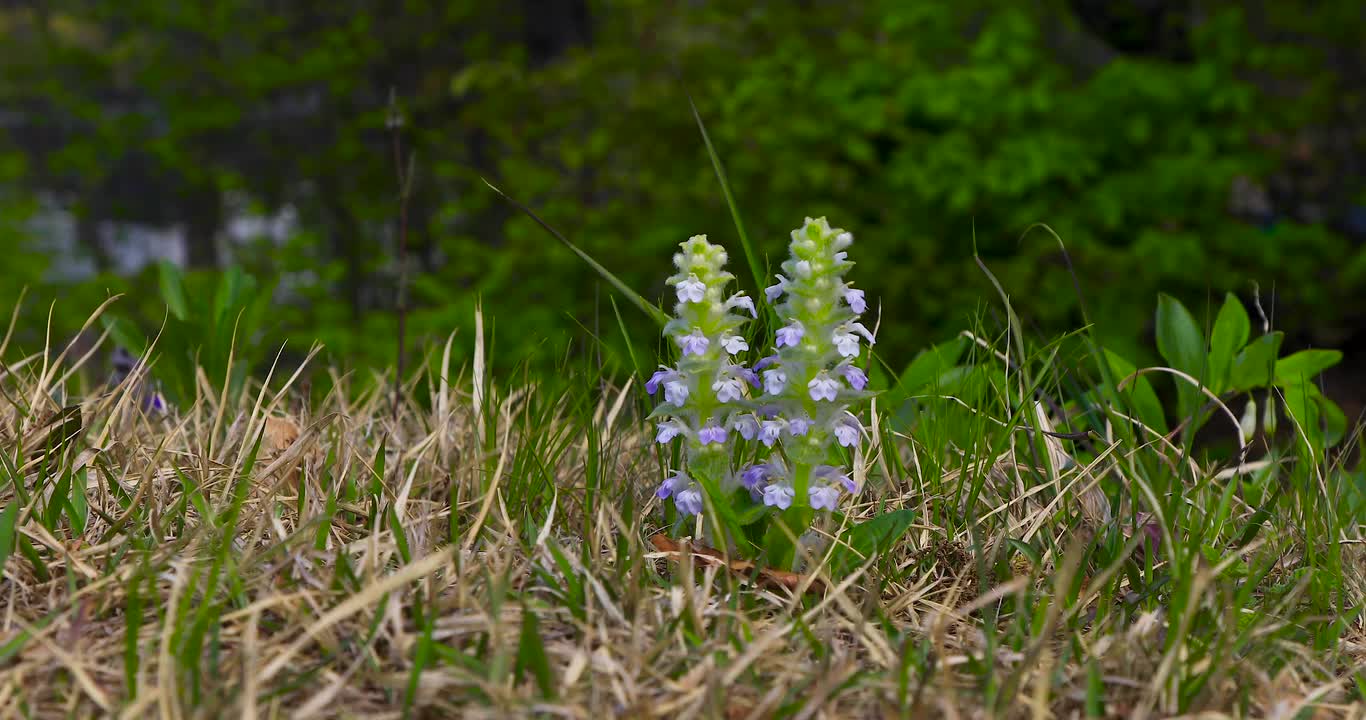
(779, 496)
(689, 502)
(769, 432)
(691, 290)
(694, 343)
(856, 300)
(856, 377)
(790, 335)
(823, 387)
(774, 381)
(824, 497)
(711, 434)
(668, 430)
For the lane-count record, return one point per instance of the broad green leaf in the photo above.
(1139, 394)
(868, 538)
(1301, 405)
(1179, 339)
(931, 363)
(1334, 422)
(1252, 367)
(1304, 365)
(125, 333)
(173, 289)
(1230, 334)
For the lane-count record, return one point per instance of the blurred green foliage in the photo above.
(930, 129)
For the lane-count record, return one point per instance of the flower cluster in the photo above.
(706, 391)
(812, 380)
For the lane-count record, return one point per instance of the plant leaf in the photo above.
(1305, 364)
(1231, 331)
(531, 654)
(868, 538)
(173, 289)
(1252, 367)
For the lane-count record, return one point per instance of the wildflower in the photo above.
(774, 381)
(694, 343)
(855, 376)
(676, 392)
(798, 426)
(756, 474)
(769, 431)
(743, 302)
(746, 424)
(779, 495)
(728, 389)
(672, 484)
(661, 375)
(834, 476)
(668, 430)
(773, 292)
(711, 434)
(846, 342)
(691, 289)
(823, 387)
(734, 344)
(689, 502)
(847, 430)
(856, 300)
(823, 497)
(790, 335)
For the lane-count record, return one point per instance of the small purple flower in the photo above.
(691, 289)
(823, 387)
(765, 362)
(769, 431)
(672, 484)
(847, 431)
(846, 342)
(773, 292)
(728, 389)
(755, 474)
(856, 377)
(711, 434)
(747, 425)
(774, 381)
(668, 430)
(790, 335)
(663, 373)
(694, 343)
(676, 392)
(743, 302)
(154, 403)
(798, 426)
(778, 495)
(689, 502)
(734, 344)
(747, 375)
(824, 497)
(857, 302)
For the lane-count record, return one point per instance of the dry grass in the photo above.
(211, 579)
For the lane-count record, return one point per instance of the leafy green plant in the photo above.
(213, 322)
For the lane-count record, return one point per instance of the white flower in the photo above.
(856, 300)
(823, 387)
(675, 392)
(742, 301)
(769, 431)
(846, 343)
(779, 496)
(691, 289)
(668, 430)
(823, 497)
(694, 343)
(734, 344)
(773, 292)
(774, 381)
(728, 389)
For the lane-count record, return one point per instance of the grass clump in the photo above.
(1036, 541)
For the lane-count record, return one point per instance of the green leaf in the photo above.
(930, 365)
(1231, 331)
(8, 517)
(1305, 364)
(125, 333)
(531, 654)
(1253, 366)
(1179, 339)
(173, 289)
(868, 538)
(1141, 399)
